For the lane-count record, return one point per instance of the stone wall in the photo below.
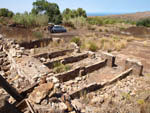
(109, 57)
(54, 54)
(36, 43)
(135, 65)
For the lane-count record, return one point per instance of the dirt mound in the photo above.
(139, 31)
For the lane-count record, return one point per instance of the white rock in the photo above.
(2, 73)
(55, 80)
(17, 46)
(97, 100)
(43, 59)
(32, 51)
(57, 85)
(74, 45)
(78, 79)
(13, 52)
(22, 48)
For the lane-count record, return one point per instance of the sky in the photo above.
(91, 6)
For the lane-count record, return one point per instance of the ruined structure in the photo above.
(37, 83)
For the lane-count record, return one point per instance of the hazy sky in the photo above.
(109, 6)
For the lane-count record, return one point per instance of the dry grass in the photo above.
(106, 43)
(146, 44)
(59, 67)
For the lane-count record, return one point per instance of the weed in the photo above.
(116, 39)
(37, 34)
(141, 102)
(76, 40)
(126, 96)
(30, 20)
(146, 44)
(59, 67)
(3, 21)
(122, 28)
(68, 24)
(93, 47)
(85, 97)
(91, 28)
(144, 22)
(106, 30)
(100, 30)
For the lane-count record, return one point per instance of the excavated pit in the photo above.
(41, 89)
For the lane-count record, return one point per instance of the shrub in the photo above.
(6, 13)
(29, 20)
(59, 67)
(93, 47)
(144, 22)
(68, 24)
(91, 28)
(76, 40)
(78, 21)
(95, 21)
(100, 30)
(37, 34)
(104, 21)
(3, 20)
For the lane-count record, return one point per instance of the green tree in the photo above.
(50, 9)
(6, 13)
(68, 13)
(81, 12)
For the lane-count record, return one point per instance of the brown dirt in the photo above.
(18, 33)
(138, 51)
(139, 31)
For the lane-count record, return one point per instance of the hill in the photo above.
(132, 16)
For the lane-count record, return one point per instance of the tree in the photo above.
(68, 13)
(81, 12)
(50, 9)
(6, 13)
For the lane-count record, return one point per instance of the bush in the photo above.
(95, 21)
(104, 21)
(59, 67)
(144, 22)
(78, 21)
(6, 13)
(93, 47)
(29, 20)
(37, 34)
(4, 20)
(68, 24)
(92, 28)
(76, 40)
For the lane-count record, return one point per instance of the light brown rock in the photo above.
(41, 92)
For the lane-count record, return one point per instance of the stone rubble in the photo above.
(52, 95)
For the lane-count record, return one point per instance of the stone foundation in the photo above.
(135, 65)
(109, 57)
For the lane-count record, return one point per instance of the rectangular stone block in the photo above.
(109, 57)
(135, 65)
